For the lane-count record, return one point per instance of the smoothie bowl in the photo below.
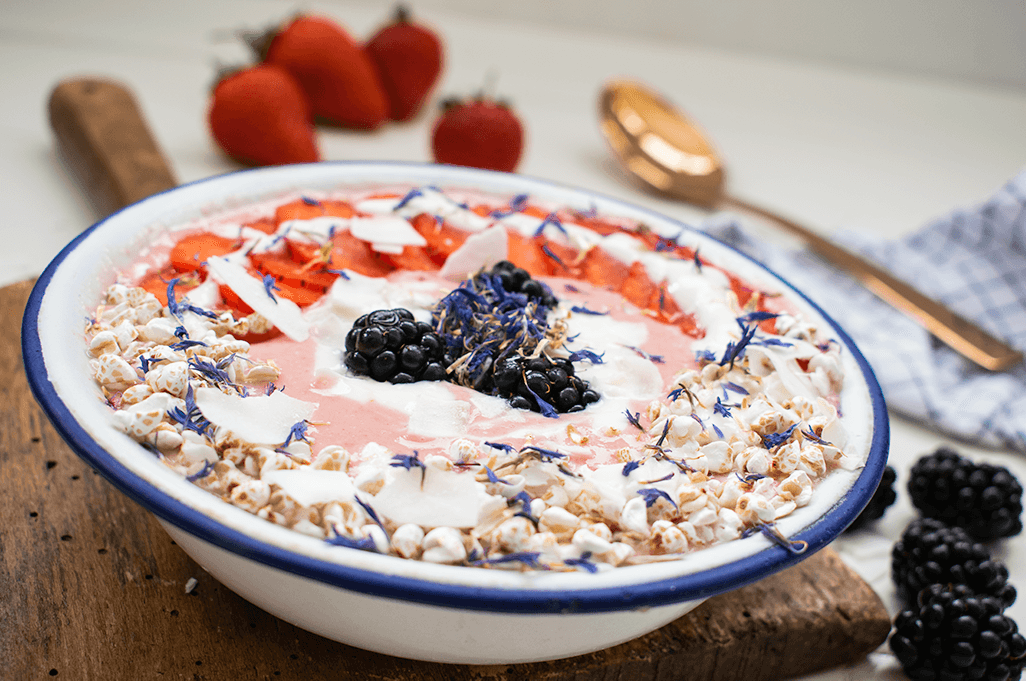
(450, 414)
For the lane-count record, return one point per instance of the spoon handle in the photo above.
(103, 138)
(957, 332)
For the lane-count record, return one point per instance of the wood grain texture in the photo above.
(103, 138)
(91, 587)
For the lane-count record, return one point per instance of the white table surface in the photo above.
(833, 148)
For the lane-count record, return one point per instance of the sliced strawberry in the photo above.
(351, 253)
(535, 211)
(254, 338)
(563, 259)
(240, 309)
(265, 225)
(307, 209)
(413, 258)
(285, 269)
(233, 301)
(442, 237)
(663, 306)
(593, 223)
(601, 269)
(526, 252)
(742, 291)
(300, 209)
(192, 250)
(768, 325)
(641, 291)
(689, 326)
(156, 282)
(299, 295)
(637, 288)
(338, 209)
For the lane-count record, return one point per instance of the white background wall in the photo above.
(976, 40)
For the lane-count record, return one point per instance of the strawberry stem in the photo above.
(488, 89)
(259, 40)
(223, 71)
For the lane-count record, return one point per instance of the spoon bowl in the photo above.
(658, 145)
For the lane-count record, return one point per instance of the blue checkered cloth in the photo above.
(974, 261)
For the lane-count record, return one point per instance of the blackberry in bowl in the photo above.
(528, 382)
(390, 345)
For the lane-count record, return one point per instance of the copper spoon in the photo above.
(657, 144)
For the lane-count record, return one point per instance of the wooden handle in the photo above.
(103, 138)
(964, 336)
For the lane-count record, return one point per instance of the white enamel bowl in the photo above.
(381, 603)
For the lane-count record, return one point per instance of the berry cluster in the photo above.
(526, 381)
(954, 592)
(312, 68)
(954, 633)
(985, 500)
(487, 332)
(389, 345)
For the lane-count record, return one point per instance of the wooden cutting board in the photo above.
(91, 587)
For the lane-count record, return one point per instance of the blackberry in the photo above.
(983, 499)
(929, 552)
(518, 280)
(522, 381)
(883, 497)
(390, 345)
(953, 633)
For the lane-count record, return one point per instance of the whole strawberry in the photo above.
(480, 133)
(338, 77)
(409, 60)
(261, 116)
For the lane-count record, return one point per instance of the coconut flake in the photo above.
(480, 250)
(261, 243)
(392, 249)
(356, 294)
(378, 206)
(523, 223)
(281, 312)
(159, 402)
(791, 376)
(310, 486)
(205, 295)
(446, 498)
(320, 228)
(262, 419)
(386, 230)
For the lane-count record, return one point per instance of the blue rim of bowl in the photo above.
(694, 586)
